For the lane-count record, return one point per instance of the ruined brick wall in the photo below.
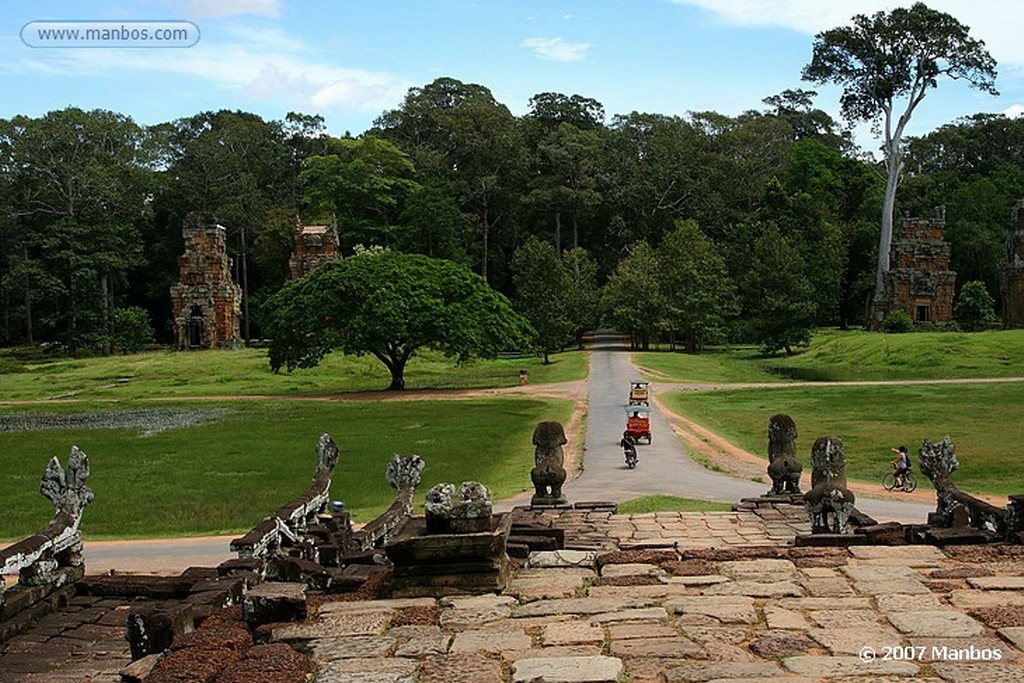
(206, 302)
(1013, 271)
(314, 244)
(919, 281)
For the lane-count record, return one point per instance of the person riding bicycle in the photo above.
(901, 465)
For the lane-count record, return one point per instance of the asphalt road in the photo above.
(665, 467)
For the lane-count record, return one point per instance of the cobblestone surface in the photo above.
(726, 607)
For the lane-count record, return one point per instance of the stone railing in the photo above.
(957, 510)
(48, 563)
(285, 528)
(403, 474)
(305, 527)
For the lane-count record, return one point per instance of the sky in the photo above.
(349, 61)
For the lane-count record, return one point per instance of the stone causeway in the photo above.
(647, 598)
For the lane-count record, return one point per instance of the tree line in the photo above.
(693, 229)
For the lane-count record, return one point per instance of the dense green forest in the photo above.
(695, 216)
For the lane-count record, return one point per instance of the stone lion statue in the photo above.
(784, 467)
(548, 473)
(828, 499)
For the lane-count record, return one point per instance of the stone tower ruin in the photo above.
(919, 281)
(205, 301)
(1013, 271)
(314, 244)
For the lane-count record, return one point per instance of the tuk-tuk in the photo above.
(639, 394)
(638, 422)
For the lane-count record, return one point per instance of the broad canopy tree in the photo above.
(889, 61)
(390, 305)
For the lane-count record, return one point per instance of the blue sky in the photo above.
(349, 61)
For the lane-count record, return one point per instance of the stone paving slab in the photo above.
(472, 668)
(579, 606)
(908, 555)
(958, 649)
(1014, 635)
(337, 626)
(674, 646)
(971, 598)
(824, 603)
(541, 584)
(786, 619)
(843, 618)
(725, 608)
(763, 569)
(851, 640)
(335, 607)
(703, 580)
(936, 623)
(352, 647)
(572, 633)
(907, 603)
(979, 672)
(630, 631)
(388, 670)
(567, 670)
(561, 558)
(834, 667)
(638, 614)
(650, 592)
(489, 641)
(828, 588)
(631, 569)
(756, 589)
(716, 671)
(1001, 583)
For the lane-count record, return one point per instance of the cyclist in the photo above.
(902, 466)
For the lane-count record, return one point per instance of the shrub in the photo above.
(897, 322)
(132, 330)
(974, 308)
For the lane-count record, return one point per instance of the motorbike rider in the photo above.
(629, 449)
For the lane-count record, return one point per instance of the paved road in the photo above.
(665, 467)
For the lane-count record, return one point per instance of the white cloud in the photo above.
(556, 49)
(265, 65)
(214, 9)
(1014, 111)
(993, 21)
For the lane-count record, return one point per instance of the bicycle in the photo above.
(889, 481)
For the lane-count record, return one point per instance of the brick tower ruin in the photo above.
(314, 244)
(919, 281)
(205, 301)
(1013, 271)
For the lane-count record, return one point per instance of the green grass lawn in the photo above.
(170, 374)
(226, 476)
(985, 422)
(853, 355)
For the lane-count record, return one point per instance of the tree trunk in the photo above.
(72, 320)
(558, 233)
(487, 229)
(108, 318)
(245, 287)
(28, 299)
(575, 231)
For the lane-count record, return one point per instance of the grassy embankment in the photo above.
(984, 420)
(226, 475)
